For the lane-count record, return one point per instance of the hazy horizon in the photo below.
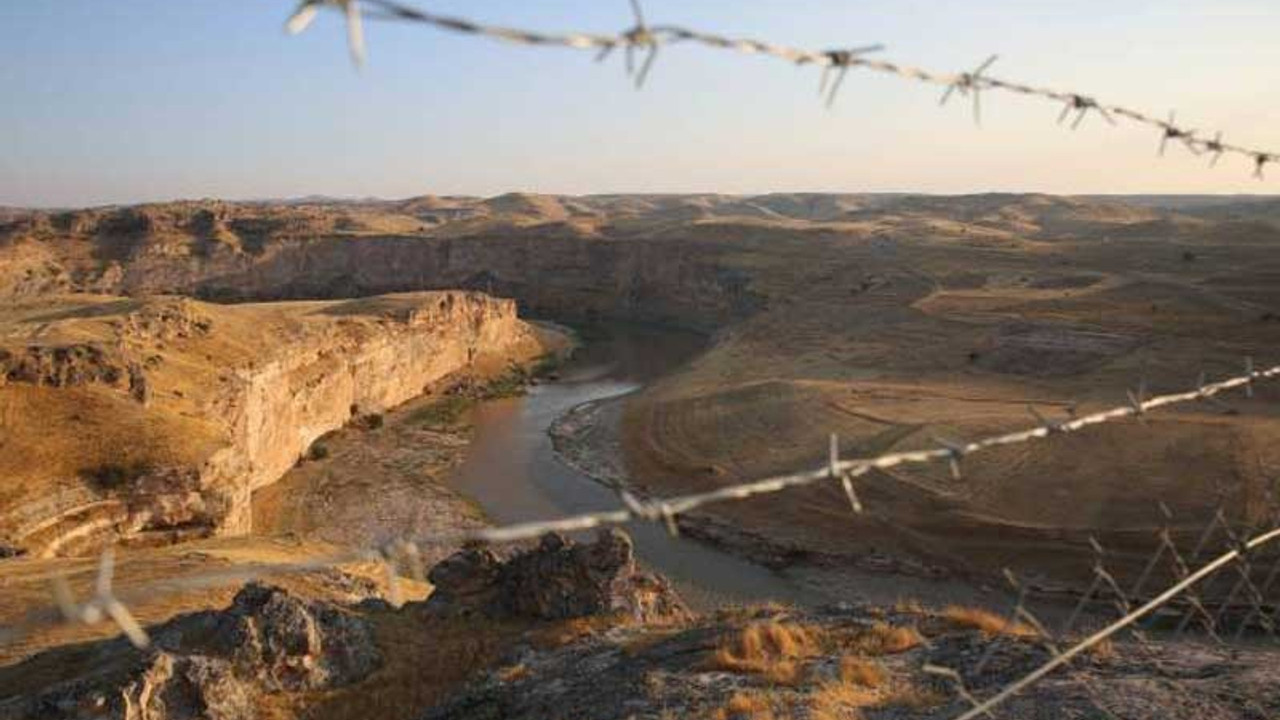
(150, 101)
(323, 198)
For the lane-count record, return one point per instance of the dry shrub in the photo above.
(770, 649)
(562, 632)
(740, 612)
(745, 706)
(862, 672)
(988, 622)
(834, 700)
(884, 639)
(866, 684)
(512, 673)
(861, 684)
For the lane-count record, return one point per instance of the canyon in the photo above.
(165, 365)
(885, 319)
(155, 419)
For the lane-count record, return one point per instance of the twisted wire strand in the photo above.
(650, 38)
(986, 706)
(666, 510)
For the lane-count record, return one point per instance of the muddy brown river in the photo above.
(513, 471)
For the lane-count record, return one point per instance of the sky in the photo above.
(146, 100)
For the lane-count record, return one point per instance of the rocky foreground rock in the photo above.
(486, 645)
(216, 665)
(861, 663)
(556, 580)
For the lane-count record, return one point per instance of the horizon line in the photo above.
(321, 198)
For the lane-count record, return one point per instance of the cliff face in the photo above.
(281, 407)
(561, 275)
(574, 262)
(165, 415)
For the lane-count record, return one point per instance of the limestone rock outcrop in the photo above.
(215, 665)
(154, 420)
(558, 579)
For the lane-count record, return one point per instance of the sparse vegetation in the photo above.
(545, 365)
(801, 364)
(862, 672)
(774, 650)
(864, 683)
(115, 476)
(441, 414)
(986, 621)
(746, 706)
(512, 383)
(318, 451)
(883, 639)
(446, 412)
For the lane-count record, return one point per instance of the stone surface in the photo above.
(636, 673)
(557, 579)
(214, 665)
(177, 410)
(175, 687)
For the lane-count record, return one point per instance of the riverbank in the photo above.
(385, 476)
(588, 438)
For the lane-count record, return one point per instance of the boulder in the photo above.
(555, 580)
(214, 665)
(175, 687)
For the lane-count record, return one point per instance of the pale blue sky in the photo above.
(127, 100)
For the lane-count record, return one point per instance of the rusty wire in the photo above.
(648, 39)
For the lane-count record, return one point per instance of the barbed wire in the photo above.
(1126, 621)
(644, 38)
(407, 552)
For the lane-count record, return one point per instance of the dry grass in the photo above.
(746, 706)
(862, 672)
(988, 622)
(559, 634)
(742, 612)
(512, 673)
(834, 700)
(883, 639)
(864, 683)
(774, 650)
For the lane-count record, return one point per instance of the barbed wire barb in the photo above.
(102, 604)
(649, 38)
(1215, 148)
(1173, 132)
(1259, 161)
(971, 82)
(1081, 105)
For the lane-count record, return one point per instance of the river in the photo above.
(512, 470)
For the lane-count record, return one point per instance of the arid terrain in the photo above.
(169, 374)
